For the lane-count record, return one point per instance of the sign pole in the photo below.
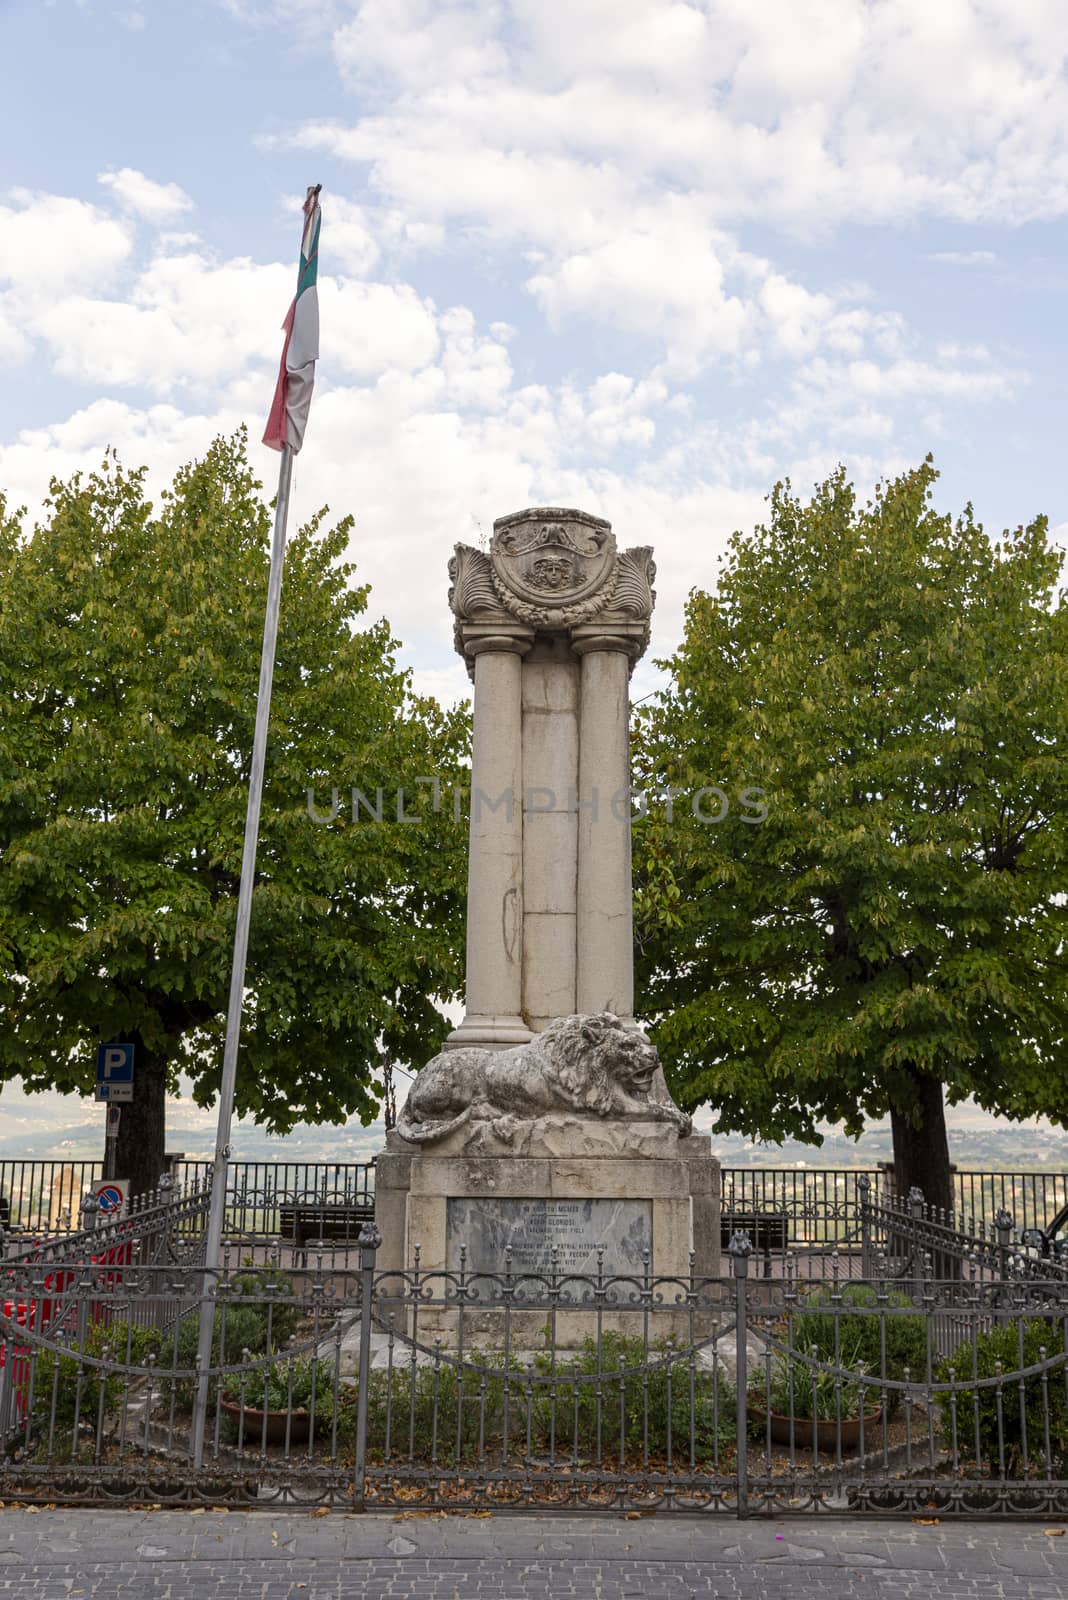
(111, 1133)
(213, 1241)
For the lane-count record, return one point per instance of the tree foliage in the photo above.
(898, 684)
(129, 660)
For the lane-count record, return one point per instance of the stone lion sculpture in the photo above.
(592, 1066)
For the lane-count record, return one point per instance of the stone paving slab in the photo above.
(137, 1555)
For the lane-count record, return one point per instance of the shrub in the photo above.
(69, 1387)
(886, 1339)
(269, 1292)
(644, 1404)
(253, 1314)
(235, 1329)
(802, 1391)
(437, 1412)
(1003, 1429)
(287, 1384)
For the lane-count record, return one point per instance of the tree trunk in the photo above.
(142, 1126)
(921, 1154)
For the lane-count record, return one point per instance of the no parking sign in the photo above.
(111, 1194)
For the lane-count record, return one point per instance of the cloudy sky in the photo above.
(637, 256)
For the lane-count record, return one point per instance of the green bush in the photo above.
(1002, 1429)
(438, 1412)
(269, 1292)
(287, 1384)
(864, 1335)
(645, 1401)
(444, 1416)
(253, 1314)
(235, 1329)
(66, 1387)
(801, 1391)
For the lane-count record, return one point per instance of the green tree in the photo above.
(129, 659)
(895, 929)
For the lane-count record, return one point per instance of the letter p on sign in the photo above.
(114, 1063)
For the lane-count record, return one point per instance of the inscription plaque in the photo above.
(532, 1227)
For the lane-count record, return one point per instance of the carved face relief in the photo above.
(554, 571)
(548, 565)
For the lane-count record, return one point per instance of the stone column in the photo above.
(495, 863)
(605, 943)
(550, 781)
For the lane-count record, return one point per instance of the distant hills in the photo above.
(53, 1126)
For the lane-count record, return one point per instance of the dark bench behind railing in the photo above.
(768, 1232)
(305, 1220)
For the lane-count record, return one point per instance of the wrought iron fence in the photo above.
(266, 1200)
(817, 1206)
(44, 1196)
(333, 1383)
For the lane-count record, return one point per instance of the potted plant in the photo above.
(802, 1405)
(270, 1403)
(881, 1328)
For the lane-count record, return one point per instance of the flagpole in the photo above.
(216, 1214)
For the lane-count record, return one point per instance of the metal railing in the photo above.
(351, 1386)
(44, 1197)
(822, 1201)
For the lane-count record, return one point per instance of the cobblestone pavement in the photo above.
(77, 1555)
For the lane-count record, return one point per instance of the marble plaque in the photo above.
(576, 1227)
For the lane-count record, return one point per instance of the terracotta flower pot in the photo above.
(804, 1431)
(270, 1426)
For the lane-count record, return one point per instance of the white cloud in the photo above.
(376, 327)
(51, 245)
(154, 202)
(14, 345)
(837, 110)
(963, 258)
(616, 150)
(908, 377)
(354, 247)
(425, 458)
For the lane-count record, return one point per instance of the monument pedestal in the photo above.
(599, 1225)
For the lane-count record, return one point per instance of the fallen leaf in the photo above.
(927, 1522)
(320, 1511)
(1054, 1533)
(632, 1516)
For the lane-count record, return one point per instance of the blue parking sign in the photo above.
(114, 1063)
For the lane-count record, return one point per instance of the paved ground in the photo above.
(65, 1555)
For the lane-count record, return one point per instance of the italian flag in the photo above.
(296, 374)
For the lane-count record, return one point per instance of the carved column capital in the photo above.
(611, 633)
(483, 638)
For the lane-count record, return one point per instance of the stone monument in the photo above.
(546, 1121)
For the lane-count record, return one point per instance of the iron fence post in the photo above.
(368, 1240)
(1003, 1224)
(739, 1250)
(917, 1212)
(1003, 1227)
(90, 1210)
(864, 1191)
